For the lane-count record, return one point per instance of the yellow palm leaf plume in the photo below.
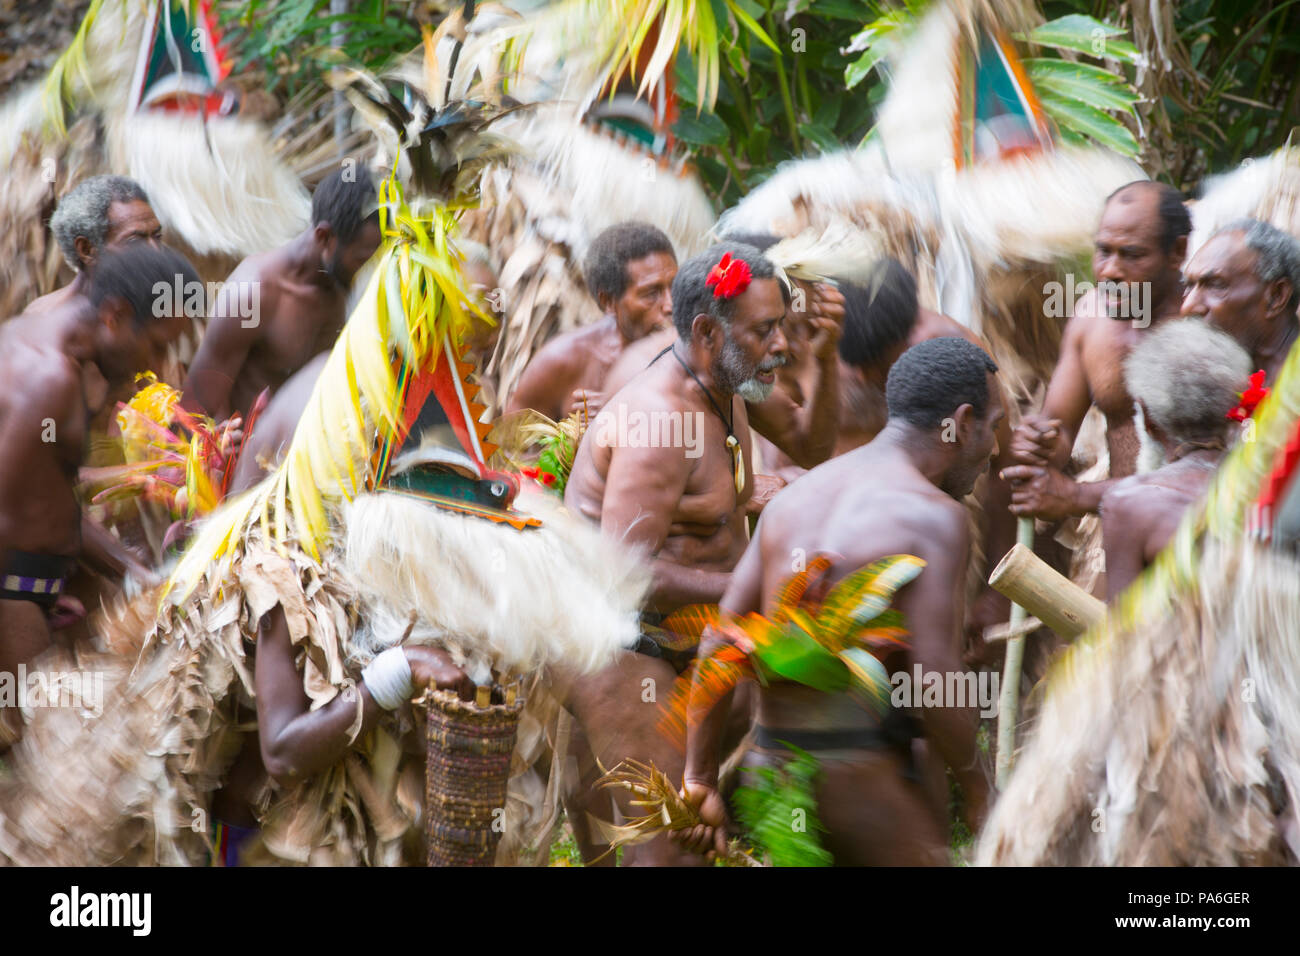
(59, 82)
(673, 23)
(406, 314)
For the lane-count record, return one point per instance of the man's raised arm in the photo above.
(1048, 437)
(1042, 444)
(808, 433)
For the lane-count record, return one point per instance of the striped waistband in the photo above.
(40, 577)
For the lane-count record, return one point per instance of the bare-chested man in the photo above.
(1245, 280)
(1185, 377)
(899, 494)
(96, 215)
(661, 468)
(629, 271)
(53, 384)
(1140, 247)
(800, 417)
(883, 318)
(280, 308)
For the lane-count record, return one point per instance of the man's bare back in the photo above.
(896, 495)
(43, 433)
(1140, 514)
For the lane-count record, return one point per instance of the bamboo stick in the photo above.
(1057, 601)
(1054, 599)
(1009, 698)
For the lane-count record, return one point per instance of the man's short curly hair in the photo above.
(932, 379)
(344, 203)
(147, 280)
(605, 267)
(83, 212)
(1188, 375)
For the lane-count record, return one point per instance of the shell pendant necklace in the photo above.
(733, 444)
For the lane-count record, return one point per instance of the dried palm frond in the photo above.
(539, 448)
(71, 65)
(666, 811)
(1173, 722)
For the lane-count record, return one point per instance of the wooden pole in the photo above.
(1054, 599)
(1057, 601)
(1009, 700)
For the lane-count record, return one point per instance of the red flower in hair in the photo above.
(1250, 398)
(729, 278)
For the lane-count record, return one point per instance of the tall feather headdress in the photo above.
(400, 345)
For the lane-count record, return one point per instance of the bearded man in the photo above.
(662, 468)
(1139, 251)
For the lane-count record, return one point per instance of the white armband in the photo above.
(389, 678)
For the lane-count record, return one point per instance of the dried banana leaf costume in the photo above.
(355, 567)
(1169, 735)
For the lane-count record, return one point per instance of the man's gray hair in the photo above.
(83, 211)
(1189, 375)
(1277, 254)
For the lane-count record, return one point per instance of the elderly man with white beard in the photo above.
(1191, 386)
(679, 496)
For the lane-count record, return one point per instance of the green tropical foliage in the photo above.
(287, 39)
(1192, 87)
(778, 810)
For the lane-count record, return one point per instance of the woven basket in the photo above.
(465, 781)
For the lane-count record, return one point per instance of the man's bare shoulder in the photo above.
(1130, 499)
(840, 486)
(49, 301)
(40, 380)
(570, 349)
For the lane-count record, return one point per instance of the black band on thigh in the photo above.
(864, 738)
(39, 578)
